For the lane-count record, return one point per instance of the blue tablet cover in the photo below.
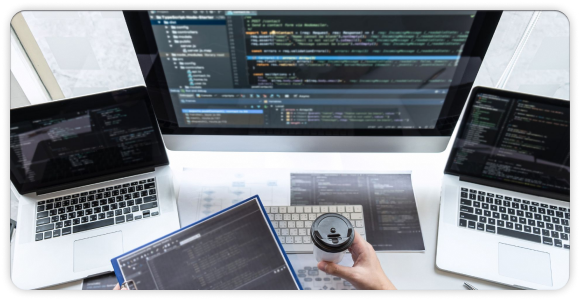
(116, 261)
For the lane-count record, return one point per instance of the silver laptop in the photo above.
(505, 210)
(94, 182)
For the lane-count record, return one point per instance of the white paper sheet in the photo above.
(207, 191)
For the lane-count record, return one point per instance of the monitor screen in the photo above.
(515, 139)
(232, 250)
(70, 140)
(268, 72)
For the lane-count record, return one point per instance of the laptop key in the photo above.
(478, 211)
(479, 226)
(564, 236)
(545, 232)
(93, 225)
(45, 227)
(42, 221)
(490, 228)
(547, 241)
(527, 228)
(56, 233)
(101, 216)
(519, 227)
(66, 230)
(471, 225)
(500, 223)
(465, 202)
(43, 214)
(540, 224)
(129, 217)
(487, 213)
(151, 205)
(119, 219)
(118, 212)
(39, 237)
(537, 230)
(462, 222)
(509, 225)
(550, 226)
(491, 221)
(48, 235)
(135, 208)
(555, 234)
(463, 208)
(519, 235)
(558, 243)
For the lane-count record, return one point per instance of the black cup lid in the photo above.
(332, 233)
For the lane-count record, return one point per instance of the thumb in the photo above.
(336, 270)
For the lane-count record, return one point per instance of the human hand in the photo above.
(366, 273)
(117, 287)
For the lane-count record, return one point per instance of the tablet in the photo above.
(236, 248)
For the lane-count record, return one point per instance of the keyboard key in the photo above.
(149, 206)
(564, 236)
(490, 228)
(519, 227)
(154, 198)
(558, 243)
(44, 227)
(531, 222)
(476, 204)
(483, 220)
(119, 219)
(93, 225)
(479, 226)
(491, 221)
(48, 235)
(478, 211)
(545, 232)
(42, 221)
(467, 209)
(550, 226)
(527, 228)
(129, 217)
(39, 237)
(462, 222)
(535, 203)
(487, 213)
(470, 225)
(540, 224)
(509, 225)
(43, 214)
(522, 220)
(56, 233)
(500, 223)
(519, 235)
(505, 217)
(465, 202)
(537, 230)
(547, 241)
(555, 234)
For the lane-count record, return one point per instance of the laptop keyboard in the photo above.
(94, 209)
(523, 219)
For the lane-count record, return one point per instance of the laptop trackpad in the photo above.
(96, 252)
(525, 264)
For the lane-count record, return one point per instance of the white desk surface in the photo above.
(406, 270)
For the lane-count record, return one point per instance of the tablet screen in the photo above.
(233, 249)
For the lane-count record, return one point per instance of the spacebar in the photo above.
(93, 225)
(519, 235)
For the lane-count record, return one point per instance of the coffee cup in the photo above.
(332, 234)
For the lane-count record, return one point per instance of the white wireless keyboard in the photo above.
(292, 223)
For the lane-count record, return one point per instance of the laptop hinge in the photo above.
(75, 184)
(514, 187)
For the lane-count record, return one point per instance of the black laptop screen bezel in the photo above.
(481, 33)
(94, 101)
(497, 183)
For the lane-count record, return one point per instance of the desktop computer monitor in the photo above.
(320, 81)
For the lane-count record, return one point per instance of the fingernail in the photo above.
(323, 266)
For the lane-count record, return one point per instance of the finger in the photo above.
(358, 245)
(336, 270)
(117, 287)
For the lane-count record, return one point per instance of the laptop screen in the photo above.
(68, 141)
(515, 139)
